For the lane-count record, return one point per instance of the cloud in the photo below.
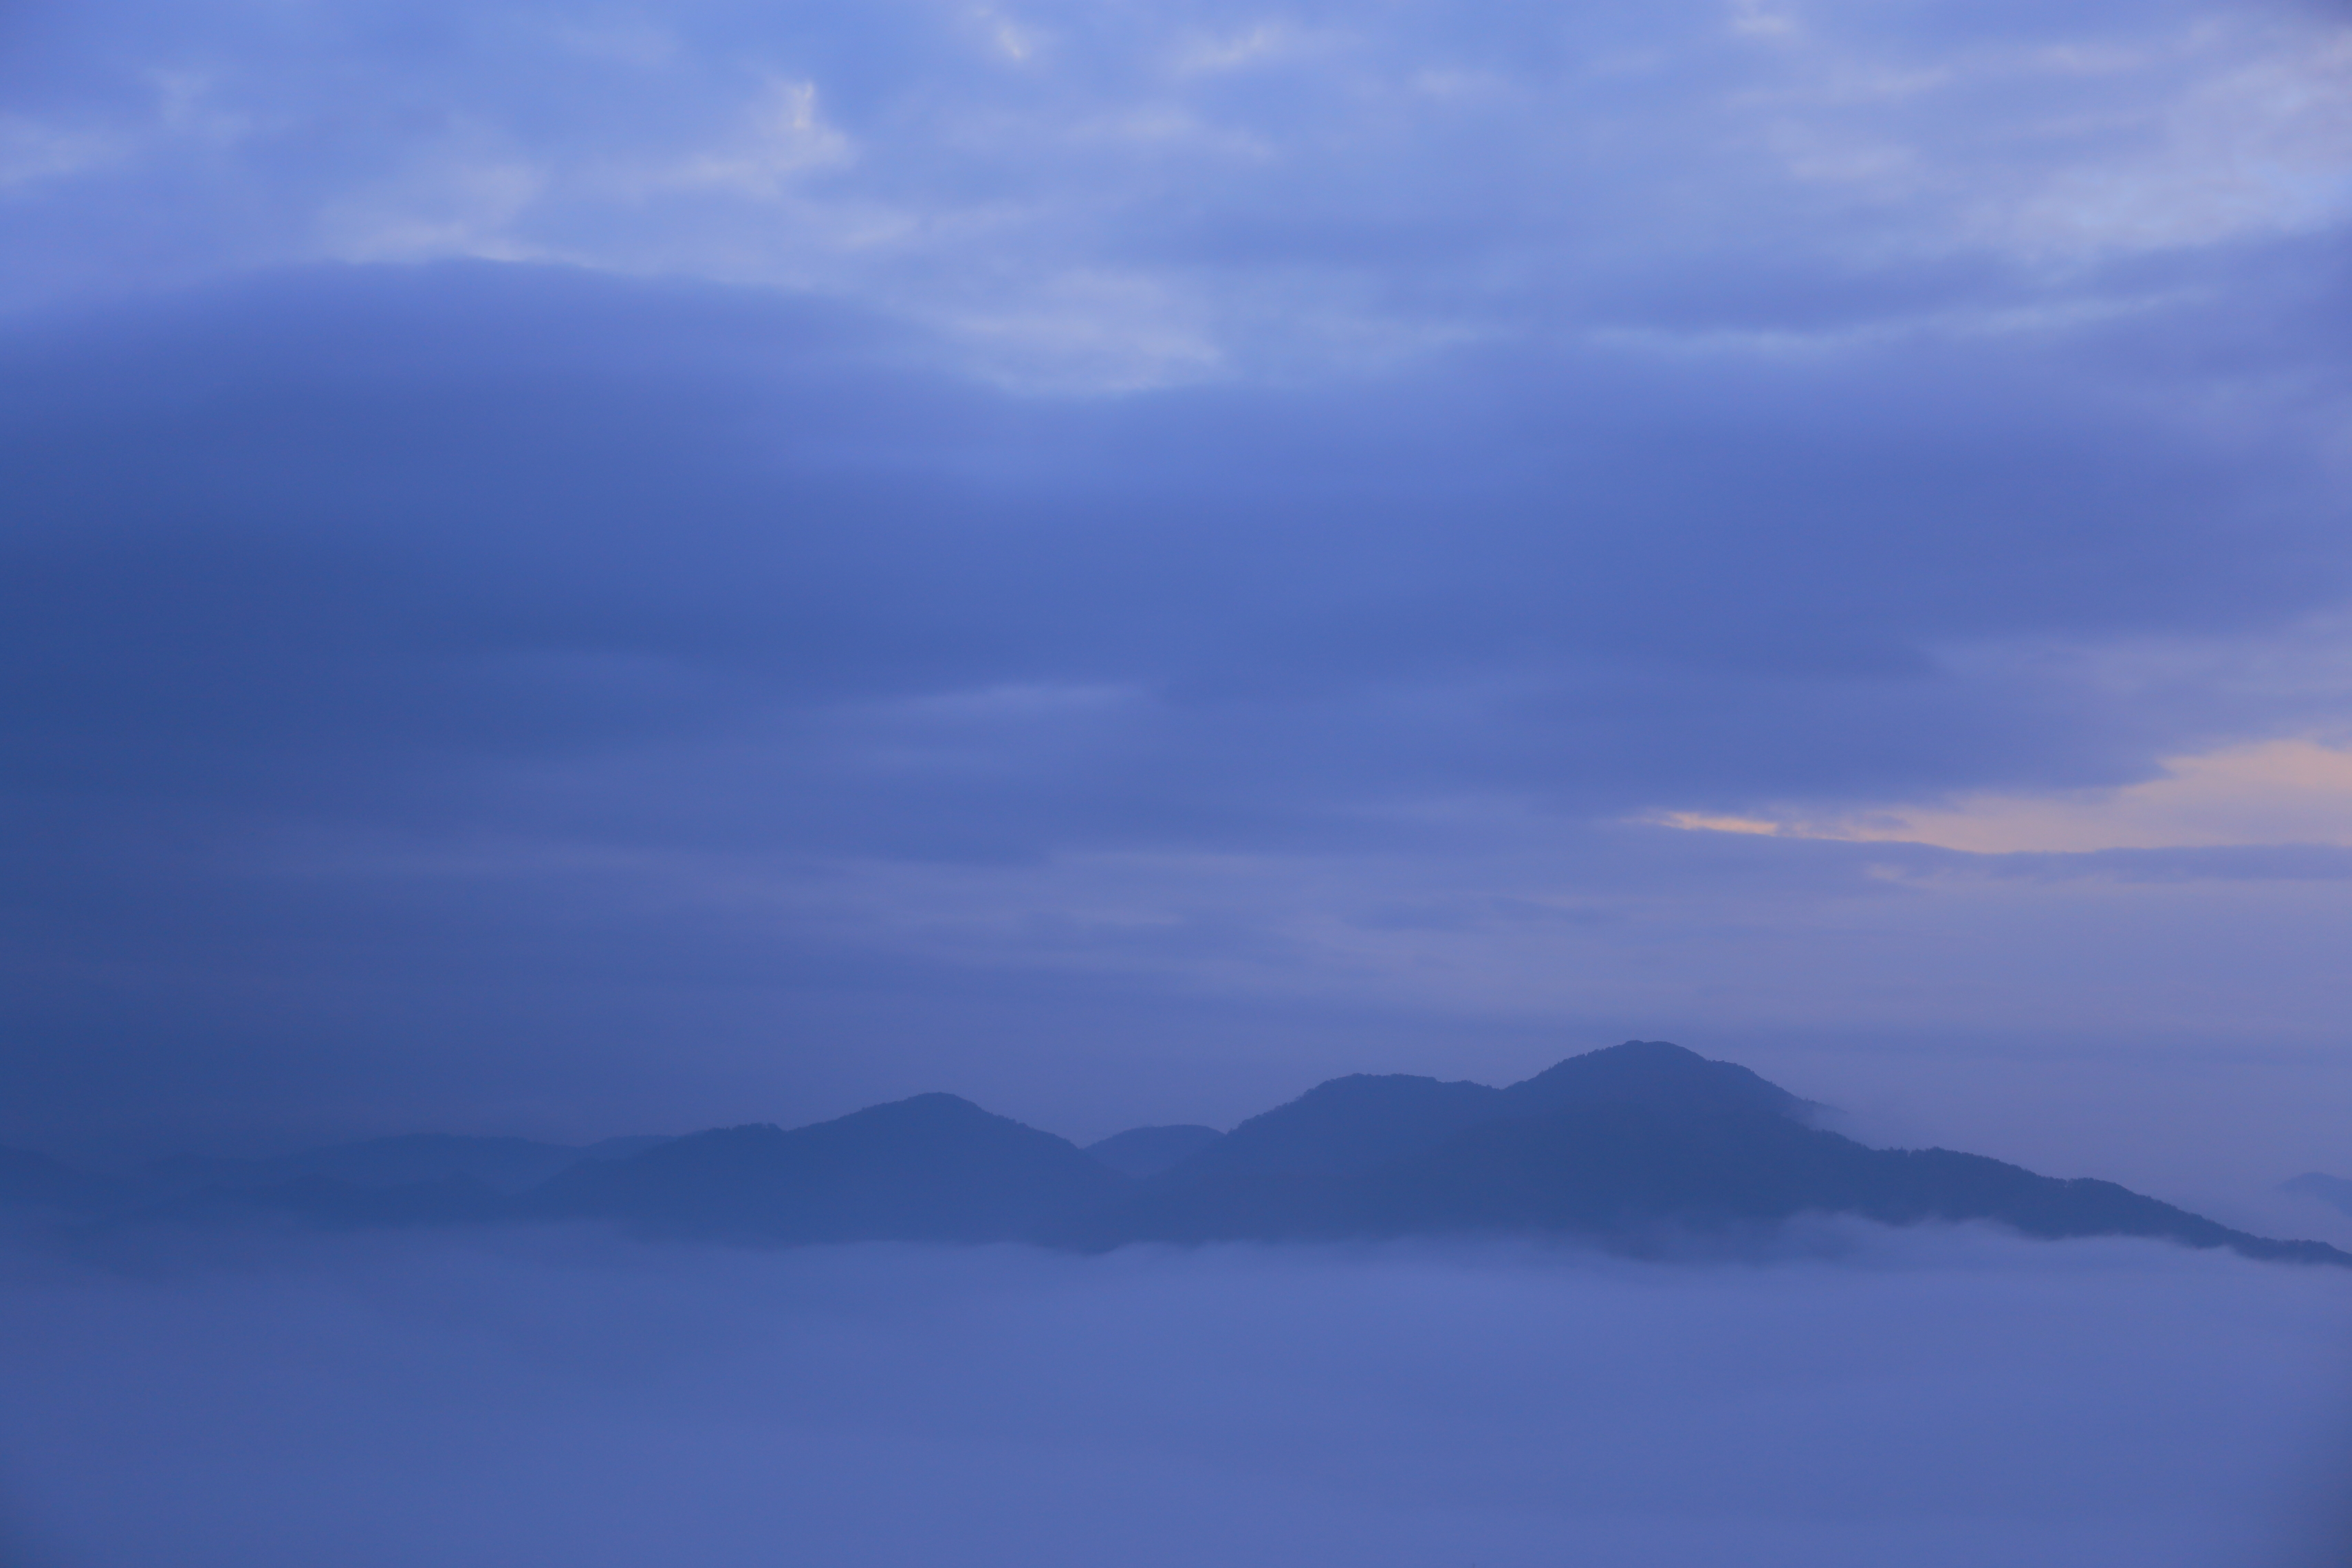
(860, 546)
(535, 662)
(532, 511)
(1126, 197)
(1924, 1398)
(2287, 792)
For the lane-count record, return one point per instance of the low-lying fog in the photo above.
(1872, 1399)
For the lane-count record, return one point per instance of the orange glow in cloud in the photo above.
(2275, 791)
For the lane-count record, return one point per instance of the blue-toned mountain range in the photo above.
(1638, 1146)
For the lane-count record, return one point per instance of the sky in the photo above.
(589, 569)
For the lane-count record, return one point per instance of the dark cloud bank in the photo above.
(490, 669)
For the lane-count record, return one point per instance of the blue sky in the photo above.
(575, 570)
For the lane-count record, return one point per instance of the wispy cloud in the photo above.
(2294, 790)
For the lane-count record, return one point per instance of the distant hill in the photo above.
(1632, 1147)
(1623, 1146)
(419, 1179)
(932, 1168)
(1349, 1126)
(1655, 1075)
(1142, 1152)
(1620, 1171)
(333, 1204)
(501, 1164)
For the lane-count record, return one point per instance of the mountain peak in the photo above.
(1349, 1123)
(1656, 1073)
(935, 1104)
(931, 1167)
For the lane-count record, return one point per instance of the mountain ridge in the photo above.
(934, 1167)
(1617, 1147)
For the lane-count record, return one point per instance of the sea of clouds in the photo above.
(1865, 1398)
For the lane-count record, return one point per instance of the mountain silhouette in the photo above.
(932, 1168)
(1308, 1167)
(1142, 1152)
(1622, 1172)
(502, 1164)
(1657, 1075)
(333, 1204)
(1351, 1125)
(1636, 1147)
(1625, 1146)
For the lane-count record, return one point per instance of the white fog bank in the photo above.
(1916, 1400)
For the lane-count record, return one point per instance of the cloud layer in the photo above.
(1140, 192)
(1928, 1399)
